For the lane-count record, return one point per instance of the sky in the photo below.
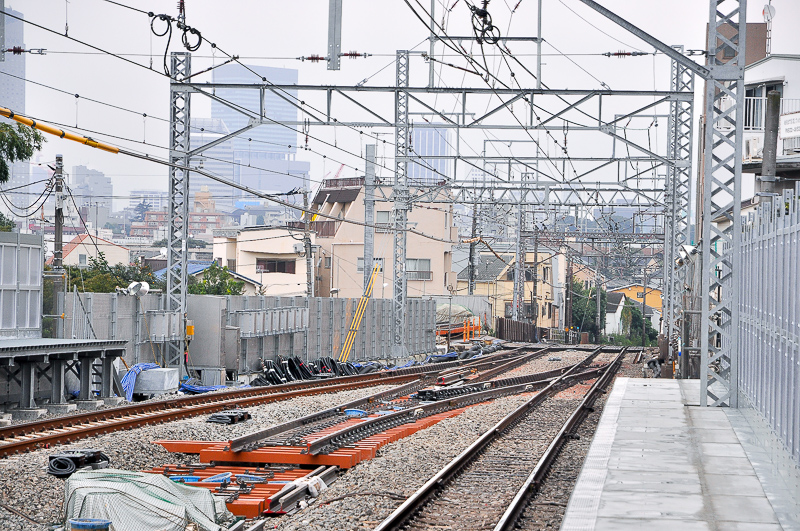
(275, 33)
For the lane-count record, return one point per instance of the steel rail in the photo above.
(364, 429)
(63, 430)
(509, 519)
(369, 379)
(420, 498)
(252, 440)
(33, 435)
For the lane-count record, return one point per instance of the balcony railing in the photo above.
(419, 275)
(755, 109)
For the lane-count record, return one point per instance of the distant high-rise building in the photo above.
(262, 158)
(155, 198)
(12, 70)
(90, 187)
(217, 160)
(429, 142)
(12, 87)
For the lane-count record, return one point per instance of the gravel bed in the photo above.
(560, 359)
(399, 469)
(546, 510)
(479, 495)
(26, 486)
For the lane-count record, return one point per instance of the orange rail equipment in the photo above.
(359, 315)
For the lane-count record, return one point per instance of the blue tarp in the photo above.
(129, 380)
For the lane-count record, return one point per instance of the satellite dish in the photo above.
(769, 12)
(138, 288)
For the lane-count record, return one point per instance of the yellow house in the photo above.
(633, 291)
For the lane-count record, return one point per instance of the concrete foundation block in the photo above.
(28, 414)
(156, 382)
(5, 416)
(60, 409)
(89, 404)
(5, 422)
(113, 401)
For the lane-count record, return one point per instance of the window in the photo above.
(82, 259)
(418, 269)
(383, 216)
(231, 264)
(269, 265)
(328, 262)
(360, 264)
(509, 313)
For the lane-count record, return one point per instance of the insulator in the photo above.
(313, 58)
(16, 50)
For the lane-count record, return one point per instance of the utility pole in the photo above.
(597, 319)
(59, 228)
(644, 299)
(472, 267)
(568, 302)
(58, 246)
(369, 214)
(535, 296)
(771, 125)
(307, 247)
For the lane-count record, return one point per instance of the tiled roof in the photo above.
(78, 240)
(489, 268)
(613, 300)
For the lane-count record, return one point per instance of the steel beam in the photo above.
(722, 200)
(177, 236)
(679, 147)
(402, 205)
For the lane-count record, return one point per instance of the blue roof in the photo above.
(194, 267)
(198, 266)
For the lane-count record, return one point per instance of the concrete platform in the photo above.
(60, 409)
(659, 461)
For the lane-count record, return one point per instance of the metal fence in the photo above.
(769, 334)
(20, 285)
(233, 332)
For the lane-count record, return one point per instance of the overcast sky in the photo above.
(274, 33)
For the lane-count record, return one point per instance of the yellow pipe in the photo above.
(56, 131)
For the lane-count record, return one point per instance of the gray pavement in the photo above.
(659, 461)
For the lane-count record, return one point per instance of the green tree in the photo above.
(17, 143)
(6, 224)
(140, 210)
(191, 243)
(216, 281)
(584, 308)
(100, 277)
(632, 325)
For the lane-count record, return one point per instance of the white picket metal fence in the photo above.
(769, 335)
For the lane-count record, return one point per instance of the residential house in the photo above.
(615, 303)
(271, 256)
(197, 268)
(494, 279)
(340, 264)
(632, 291)
(85, 247)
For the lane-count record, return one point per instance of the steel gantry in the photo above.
(679, 148)
(177, 234)
(402, 205)
(721, 191)
(722, 200)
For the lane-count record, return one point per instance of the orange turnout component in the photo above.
(256, 502)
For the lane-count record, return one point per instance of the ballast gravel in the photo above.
(548, 362)
(26, 486)
(400, 468)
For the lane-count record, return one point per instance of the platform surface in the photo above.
(659, 461)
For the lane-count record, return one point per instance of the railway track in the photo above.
(489, 484)
(45, 433)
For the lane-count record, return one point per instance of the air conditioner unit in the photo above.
(752, 148)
